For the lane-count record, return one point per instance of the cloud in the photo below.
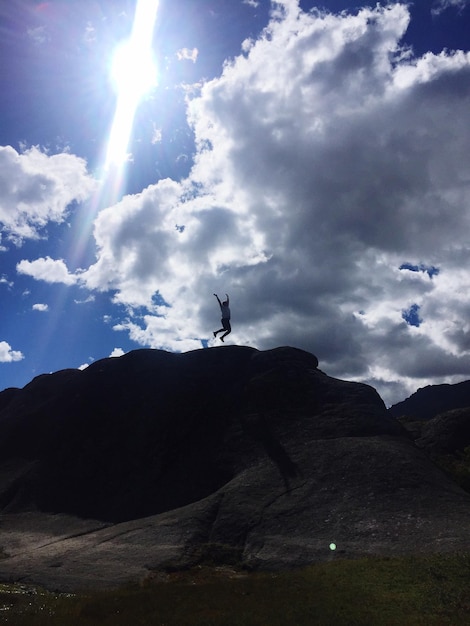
(90, 298)
(48, 270)
(90, 33)
(441, 5)
(117, 352)
(36, 188)
(188, 54)
(40, 307)
(327, 158)
(156, 135)
(4, 281)
(7, 355)
(39, 35)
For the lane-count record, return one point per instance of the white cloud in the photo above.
(187, 54)
(36, 188)
(117, 352)
(40, 307)
(442, 5)
(85, 365)
(4, 281)
(7, 355)
(90, 33)
(327, 157)
(48, 270)
(90, 298)
(156, 135)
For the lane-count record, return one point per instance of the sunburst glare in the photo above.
(134, 73)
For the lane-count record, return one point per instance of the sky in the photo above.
(312, 160)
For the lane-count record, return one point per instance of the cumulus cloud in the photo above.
(7, 355)
(331, 174)
(40, 307)
(48, 270)
(36, 188)
(117, 352)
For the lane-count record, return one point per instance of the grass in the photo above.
(431, 590)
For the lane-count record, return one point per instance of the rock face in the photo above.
(447, 433)
(438, 417)
(429, 401)
(156, 460)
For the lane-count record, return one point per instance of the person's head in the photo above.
(225, 303)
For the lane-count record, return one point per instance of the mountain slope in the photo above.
(429, 401)
(157, 460)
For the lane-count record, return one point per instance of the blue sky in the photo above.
(310, 159)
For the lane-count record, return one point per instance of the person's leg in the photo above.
(227, 328)
(224, 327)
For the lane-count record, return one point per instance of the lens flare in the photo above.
(133, 72)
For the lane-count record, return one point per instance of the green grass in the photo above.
(382, 591)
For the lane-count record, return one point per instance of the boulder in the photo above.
(156, 461)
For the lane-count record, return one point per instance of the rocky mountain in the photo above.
(438, 417)
(155, 461)
(432, 400)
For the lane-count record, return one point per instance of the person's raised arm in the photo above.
(228, 299)
(218, 299)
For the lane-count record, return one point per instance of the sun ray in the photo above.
(134, 73)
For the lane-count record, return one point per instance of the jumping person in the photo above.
(225, 310)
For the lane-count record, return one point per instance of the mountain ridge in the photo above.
(429, 401)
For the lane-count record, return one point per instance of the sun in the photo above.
(133, 69)
(133, 73)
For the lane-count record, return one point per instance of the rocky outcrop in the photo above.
(156, 460)
(446, 433)
(437, 417)
(145, 433)
(432, 400)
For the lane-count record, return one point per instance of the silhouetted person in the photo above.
(224, 308)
